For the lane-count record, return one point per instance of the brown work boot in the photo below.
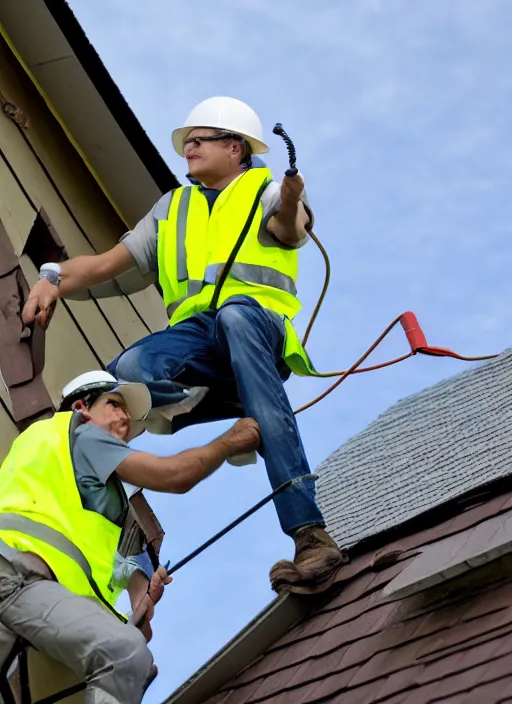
(315, 565)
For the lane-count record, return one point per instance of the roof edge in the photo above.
(268, 626)
(433, 516)
(111, 95)
(285, 612)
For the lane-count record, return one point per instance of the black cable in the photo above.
(234, 252)
(290, 147)
(240, 519)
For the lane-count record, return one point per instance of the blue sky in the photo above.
(400, 112)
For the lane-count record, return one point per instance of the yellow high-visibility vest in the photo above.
(41, 512)
(194, 245)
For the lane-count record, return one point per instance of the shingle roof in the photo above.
(450, 644)
(413, 478)
(421, 452)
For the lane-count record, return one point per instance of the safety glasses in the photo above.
(197, 141)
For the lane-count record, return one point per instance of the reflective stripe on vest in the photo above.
(195, 242)
(181, 233)
(247, 273)
(41, 512)
(23, 524)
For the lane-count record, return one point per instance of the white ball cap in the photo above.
(135, 396)
(223, 113)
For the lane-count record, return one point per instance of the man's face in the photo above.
(209, 158)
(110, 413)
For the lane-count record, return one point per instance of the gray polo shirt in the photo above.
(96, 456)
(142, 241)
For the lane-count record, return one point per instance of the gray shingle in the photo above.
(422, 451)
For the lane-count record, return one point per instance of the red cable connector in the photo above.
(418, 341)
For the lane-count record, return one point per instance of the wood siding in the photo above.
(49, 202)
(45, 184)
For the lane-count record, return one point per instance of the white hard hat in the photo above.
(227, 114)
(136, 396)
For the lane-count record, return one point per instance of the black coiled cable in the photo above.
(290, 147)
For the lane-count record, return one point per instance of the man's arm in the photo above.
(76, 274)
(290, 222)
(137, 248)
(180, 473)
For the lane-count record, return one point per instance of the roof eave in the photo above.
(111, 95)
(56, 54)
(287, 611)
(269, 625)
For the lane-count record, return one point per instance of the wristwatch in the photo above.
(50, 272)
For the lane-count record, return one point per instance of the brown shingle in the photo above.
(274, 684)
(243, 693)
(505, 692)
(369, 620)
(458, 683)
(333, 684)
(263, 667)
(355, 648)
(318, 668)
(301, 695)
(398, 682)
(19, 346)
(462, 632)
(497, 691)
(297, 652)
(365, 694)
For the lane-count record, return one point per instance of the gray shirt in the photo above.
(142, 241)
(96, 456)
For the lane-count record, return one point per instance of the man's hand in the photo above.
(43, 296)
(158, 581)
(144, 610)
(77, 274)
(180, 473)
(291, 190)
(243, 436)
(289, 224)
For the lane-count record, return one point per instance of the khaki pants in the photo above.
(111, 657)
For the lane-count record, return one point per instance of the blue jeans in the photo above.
(237, 352)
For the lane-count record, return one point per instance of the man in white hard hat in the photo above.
(62, 512)
(230, 316)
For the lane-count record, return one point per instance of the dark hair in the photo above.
(246, 159)
(88, 397)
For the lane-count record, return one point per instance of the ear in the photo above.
(235, 150)
(80, 407)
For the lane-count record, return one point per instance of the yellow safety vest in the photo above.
(41, 512)
(194, 245)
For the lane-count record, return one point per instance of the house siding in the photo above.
(40, 170)
(48, 195)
